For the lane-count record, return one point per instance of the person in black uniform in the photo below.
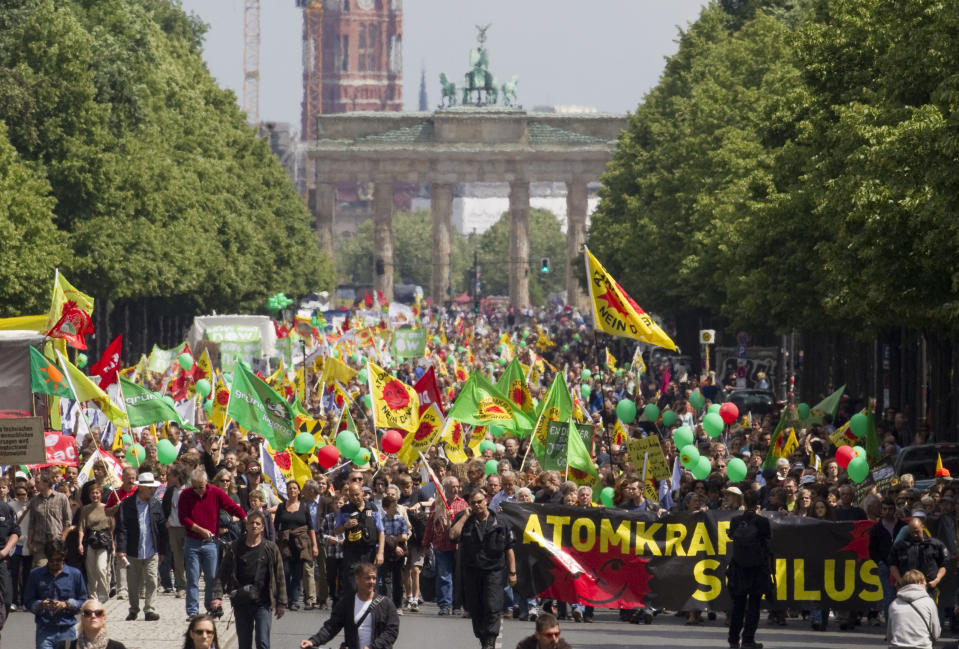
(9, 535)
(486, 546)
(748, 572)
(364, 538)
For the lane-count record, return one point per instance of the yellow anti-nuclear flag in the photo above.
(431, 425)
(395, 404)
(616, 313)
(452, 440)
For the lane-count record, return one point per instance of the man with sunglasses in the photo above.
(486, 546)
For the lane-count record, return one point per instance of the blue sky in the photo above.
(602, 53)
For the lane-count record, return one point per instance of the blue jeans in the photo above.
(250, 619)
(888, 590)
(293, 571)
(51, 637)
(445, 566)
(199, 555)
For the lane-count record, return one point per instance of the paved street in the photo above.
(428, 629)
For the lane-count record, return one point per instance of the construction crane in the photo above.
(251, 61)
(312, 66)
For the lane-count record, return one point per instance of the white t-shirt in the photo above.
(365, 630)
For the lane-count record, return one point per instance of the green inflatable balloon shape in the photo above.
(651, 412)
(136, 454)
(185, 360)
(487, 445)
(367, 402)
(303, 443)
(683, 437)
(347, 443)
(585, 390)
(606, 496)
(492, 466)
(362, 457)
(126, 439)
(714, 407)
(703, 468)
(689, 456)
(858, 469)
(858, 424)
(204, 388)
(735, 470)
(496, 431)
(697, 400)
(713, 424)
(669, 418)
(208, 407)
(803, 410)
(363, 375)
(859, 451)
(82, 360)
(626, 410)
(166, 452)
(586, 373)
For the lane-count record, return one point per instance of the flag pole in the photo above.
(83, 416)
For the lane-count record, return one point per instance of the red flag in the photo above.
(428, 391)
(368, 301)
(382, 299)
(106, 368)
(283, 330)
(182, 378)
(72, 326)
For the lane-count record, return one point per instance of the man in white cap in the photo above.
(141, 539)
(733, 500)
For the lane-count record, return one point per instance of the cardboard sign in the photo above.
(656, 466)
(21, 441)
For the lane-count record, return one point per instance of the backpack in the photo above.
(747, 548)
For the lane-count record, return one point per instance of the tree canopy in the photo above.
(152, 183)
(795, 167)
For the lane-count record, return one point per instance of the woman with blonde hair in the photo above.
(912, 618)
(92, 632)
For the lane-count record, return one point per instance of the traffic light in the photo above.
(544, 265)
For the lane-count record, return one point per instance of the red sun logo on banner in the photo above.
(283, 460)
(425, 430)
(457, 435)
(494, 408)
(395, 395)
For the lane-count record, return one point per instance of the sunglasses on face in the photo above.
(94, 612)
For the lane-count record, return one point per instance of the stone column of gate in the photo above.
(441, 204)
(575, 238)
(519, 243)
(383, 237)
(323, 206)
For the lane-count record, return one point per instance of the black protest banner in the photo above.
(618, 559)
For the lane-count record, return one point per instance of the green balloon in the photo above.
(565, 348)
(487, 445)
(858, 424)
(697, 400)
(204, 388)
(126, 439)
(619, 372)
(586, 373)
(626, 410)
(858, 469)
(703, 468)
(713, 424)
(303, 443)
(859, 451)
(136, 454)
(501, 361)
(357, 358)
(683, 436)
(460, 349)
(82, 360)
(362, 457)
(803, 409)
(669, 418)
(185, 360)
(606, 496)
(496, 431)
(492, 466)
(166, 452)
(651, 412)
(208, 407)
(736, 470)
(713, 407)
(689, 456)
(347, 443)
(367, 402)
(577, 337)
(363, 375)
(585, 390)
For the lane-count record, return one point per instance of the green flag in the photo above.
(783, 436)
(557, 406)
(145, 407)
(513, 385)
(577, 455)
(873, 452)
(827, 406)
(46, 377)
(255, 406)
(482, 404)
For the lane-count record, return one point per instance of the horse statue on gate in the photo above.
(448, 91)
(508, 91)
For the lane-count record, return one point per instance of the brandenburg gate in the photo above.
(478, 140)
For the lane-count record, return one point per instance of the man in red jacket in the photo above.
(199, 510)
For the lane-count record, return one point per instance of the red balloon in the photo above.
(327, 456)
(844, 455)
(729, 412)
(392, 441)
